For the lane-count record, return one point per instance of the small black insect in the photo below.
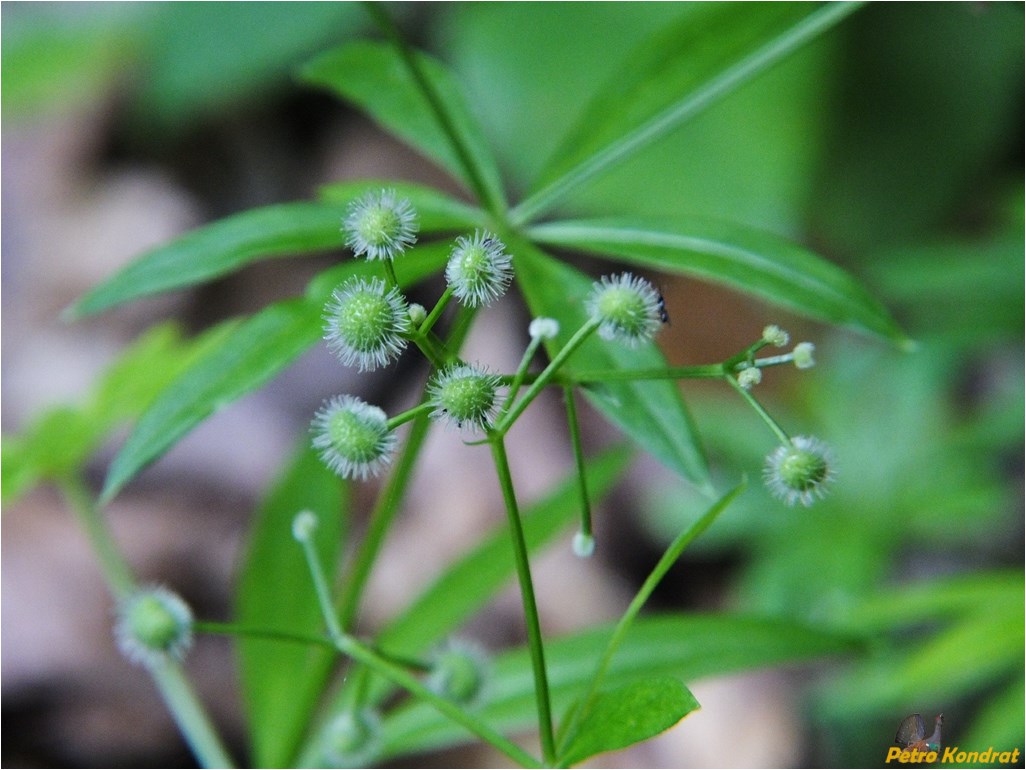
(661, 304)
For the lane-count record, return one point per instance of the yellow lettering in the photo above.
(949, 754)
(892, 753)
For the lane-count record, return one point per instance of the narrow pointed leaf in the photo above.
(671, 78)
(282, 230)
(630, 714)
(684, 646)
(374, 77)
(652, 413)
(755, 262)
(256, 350)
(281, 680)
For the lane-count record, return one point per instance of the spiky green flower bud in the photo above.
(353, 437)
(800, 472)
(627, 307)
(154, 626)
(380, 225)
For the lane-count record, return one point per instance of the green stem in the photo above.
(432, 348)
(391, 279)
(351, 647)
(385, 511)
(547, 374)
(523, 566)
(669, 558)
(518, 378)
(575, 441)
(113, 565)
(409, 414)
(706, 371)
(361, 653)
(780, 432)
(190, 716)
(174, 688)
(783, 358)
(436, 311)
(477, 184)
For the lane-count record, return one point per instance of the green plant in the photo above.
(592, 681)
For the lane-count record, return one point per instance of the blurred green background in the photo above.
(893, 145)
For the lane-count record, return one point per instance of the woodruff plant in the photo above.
(357, 440)
(298, 602)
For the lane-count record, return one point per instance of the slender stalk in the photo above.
(366, 655)
(174, 688)
(436, 311)
(783, 358)
(477, 184)
(523, 566)
(518, 378)
(409, 414)
(704, 371)
(669, 558)
(113, 565)
(385, 510)
(774, 426)
(547, 374)
(575, 442)
(391, 279)
(432, 348)
(190, 716)
(361, 653)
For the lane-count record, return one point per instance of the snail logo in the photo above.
(913, 745)
(916, 748)
(912, 734)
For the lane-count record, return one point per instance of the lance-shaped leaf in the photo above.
(256, 350)
(673, 77)
(217, 249)
(281, 679)
(652, 413)
(281, 230)
(755, 262)
(375, 77)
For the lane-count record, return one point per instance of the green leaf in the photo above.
(374, 77)
(759, 263)
(436, 211)
(651, 413)
(963, 659)
(280, 679)
(684, 646)
(630, 714)
(673, 77)
(256, 350)
(64, 437)
(934, 600)
(217, 249)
